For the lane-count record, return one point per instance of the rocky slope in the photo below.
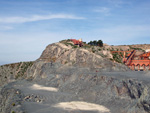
(10, 98)
(69, 79)
(10, 72)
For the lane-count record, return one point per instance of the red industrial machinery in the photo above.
(135, 62)
(77, 42)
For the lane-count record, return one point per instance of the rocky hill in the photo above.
(71, 79)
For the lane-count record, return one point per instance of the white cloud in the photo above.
(3, 28)
(119, 3)
(103, 10)
(37, 18)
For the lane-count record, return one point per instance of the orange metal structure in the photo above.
(145, 56)
(77, 42)
(141, 63)
(124, 54)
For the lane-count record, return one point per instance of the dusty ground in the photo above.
(80, 95)
(54, 101)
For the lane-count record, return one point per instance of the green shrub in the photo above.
(135, 48)
(99, 49)
(13, 104)
(66, 43)
(117, 57)
(75, 46)
(111, 59)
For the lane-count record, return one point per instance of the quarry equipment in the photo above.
(135, 62)
(77, 42)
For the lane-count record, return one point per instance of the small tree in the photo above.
(96, 43)
(100, 43)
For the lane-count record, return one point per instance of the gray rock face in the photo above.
(119, 95)
(10, 100)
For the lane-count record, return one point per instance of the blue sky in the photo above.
(28, 26)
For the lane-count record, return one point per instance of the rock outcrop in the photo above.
(58, 57)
